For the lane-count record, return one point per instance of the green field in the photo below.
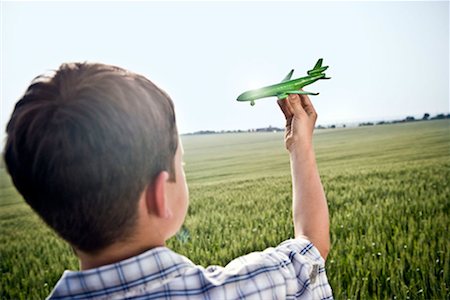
(388, 193)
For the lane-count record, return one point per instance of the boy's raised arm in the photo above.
(310, 210)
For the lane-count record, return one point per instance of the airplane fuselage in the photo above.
(279, 88)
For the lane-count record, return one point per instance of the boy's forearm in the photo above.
(310, 210)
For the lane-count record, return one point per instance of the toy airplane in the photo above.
(287, 86)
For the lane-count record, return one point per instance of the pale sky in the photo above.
(387, 59)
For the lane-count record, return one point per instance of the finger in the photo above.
(295, 105)
(283, 103)
(307, 105)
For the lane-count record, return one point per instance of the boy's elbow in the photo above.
(324, 250)
(322, 245)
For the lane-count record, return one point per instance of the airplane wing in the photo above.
(286, 94)
(302, 93)
(288, 76)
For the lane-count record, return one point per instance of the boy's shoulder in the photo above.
(294, 269)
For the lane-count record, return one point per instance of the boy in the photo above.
(94, 150)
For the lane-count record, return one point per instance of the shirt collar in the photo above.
(154, 266)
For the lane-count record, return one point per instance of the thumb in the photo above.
(296, 106)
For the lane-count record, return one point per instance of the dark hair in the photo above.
(83, 144)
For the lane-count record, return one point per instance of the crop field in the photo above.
(388, 193)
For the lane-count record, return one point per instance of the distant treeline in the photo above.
(264, 129)
(425, 117)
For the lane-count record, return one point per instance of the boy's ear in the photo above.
(155, 196)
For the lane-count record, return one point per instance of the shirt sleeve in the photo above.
(292, 270)
(308, 267)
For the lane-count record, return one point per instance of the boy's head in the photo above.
(82, 146)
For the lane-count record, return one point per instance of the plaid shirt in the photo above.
(293, 270)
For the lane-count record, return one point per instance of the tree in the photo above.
(438, 117)
(426, 116)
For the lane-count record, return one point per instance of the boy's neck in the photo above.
(112, 254)
(149, 232)
(142, 239)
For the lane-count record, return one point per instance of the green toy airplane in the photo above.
(287, 86)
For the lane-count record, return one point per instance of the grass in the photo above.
(387, 189)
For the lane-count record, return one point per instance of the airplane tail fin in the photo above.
(318, 69)
(318, 63)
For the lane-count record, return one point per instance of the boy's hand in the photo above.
(300, 120)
